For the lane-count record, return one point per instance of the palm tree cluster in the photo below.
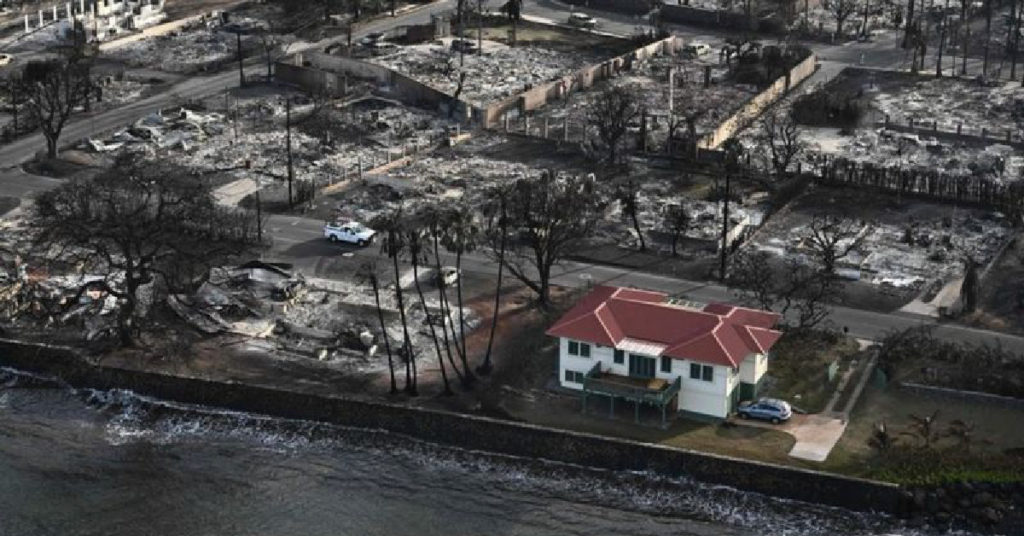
(418, 236)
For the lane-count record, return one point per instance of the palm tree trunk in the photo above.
(384, 331)
(462, 316)
(446, 315)
(485, 367)
(410, 374)
(433, 332)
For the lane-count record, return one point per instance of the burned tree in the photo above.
(969, 289)
(831, 239)
(628, 196)
(610, 114)
(676, 220)
(783, 138)
(53, 89)
(12, 89)
(547, 217)
(799, 292)
(138, 223)
(841, 10)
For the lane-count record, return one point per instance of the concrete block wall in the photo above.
(465, 431)
(756, 105)
(584, 78)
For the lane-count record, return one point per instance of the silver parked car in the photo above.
(766, 409)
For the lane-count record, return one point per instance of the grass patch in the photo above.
(798, 367)
(991, 456)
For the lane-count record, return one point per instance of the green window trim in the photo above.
(574, 348)
(666, 364)
(620, 357)
(584, 349)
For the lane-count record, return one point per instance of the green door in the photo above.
(640, 366)
(748, 391)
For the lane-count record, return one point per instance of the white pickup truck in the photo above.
(351, 232)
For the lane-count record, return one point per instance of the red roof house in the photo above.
(720, 345)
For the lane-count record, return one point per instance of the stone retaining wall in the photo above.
(465, 431)
(975, 396)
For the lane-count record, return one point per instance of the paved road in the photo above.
(298, 240)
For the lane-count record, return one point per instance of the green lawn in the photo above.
(798, 365)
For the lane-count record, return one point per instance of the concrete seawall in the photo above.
(465, 431)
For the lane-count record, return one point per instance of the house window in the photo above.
(574, 348)
(574, 377)
(620, 357)
(702, 372)
(666, 363)
(584, 349)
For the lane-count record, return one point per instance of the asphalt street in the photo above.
(300, 241)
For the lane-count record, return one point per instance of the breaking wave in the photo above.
(138, 418)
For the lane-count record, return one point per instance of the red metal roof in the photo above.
(721, 334)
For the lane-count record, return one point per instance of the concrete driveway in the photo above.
(815, 434)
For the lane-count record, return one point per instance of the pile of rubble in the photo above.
(467, 175)
(501, 71)
(910, 254)
(903, 150)
(333, 321)
(950, 102)
(707, 106)
(249, 142)
(199, 46)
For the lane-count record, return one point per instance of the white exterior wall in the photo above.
(753, 367)
(697, 396)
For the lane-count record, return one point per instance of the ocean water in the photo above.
(76, 462)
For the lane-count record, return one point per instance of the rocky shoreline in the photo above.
(996, 508)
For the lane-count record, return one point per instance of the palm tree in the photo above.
(415, 247)
(437, 219)
(460, 238)
(497, 221)
(368, 273)
(392, 246)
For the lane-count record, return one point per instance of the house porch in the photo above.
(656, 392)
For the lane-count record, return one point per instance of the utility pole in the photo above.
(1015, 13)
(241, 71)
(725, 228)
(988, 37)
(259, 217)
(671, 91)
(864, 27)
(288, 145)
(942, 39)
